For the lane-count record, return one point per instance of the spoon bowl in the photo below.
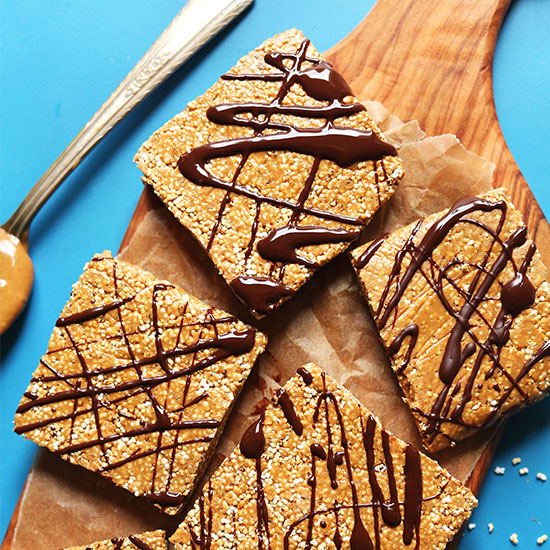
(16, 277)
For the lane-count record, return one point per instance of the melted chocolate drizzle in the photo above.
(252, 446)
(370, 251)
(89, 384)
(138, 543)
(340, 144)
(260, 293)
(390, 507)
(410, 330)
(284, 401)
(306, 376)
(516, 295)
(394, 512)
(88, 314)
(204, 540)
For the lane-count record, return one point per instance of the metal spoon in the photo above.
(193, 26)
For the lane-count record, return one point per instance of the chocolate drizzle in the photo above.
(306, 376)
(284, 401)
(89, 314)
(390, 506)
(342, 145)
(93, 390)
(331, 462)
(410, 330)
(138, 543)
(204, 539)
(369, 252)
(252, 446)
(260, 293)
(281, 244)
(413, 496)
(516, 295)
(253, 440)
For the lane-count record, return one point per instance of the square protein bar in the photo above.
(138, 381)
(462, 304)
(275, 169)
(318, 470)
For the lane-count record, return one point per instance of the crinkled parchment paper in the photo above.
(327, 322)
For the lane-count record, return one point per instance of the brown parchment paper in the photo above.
(327, 322)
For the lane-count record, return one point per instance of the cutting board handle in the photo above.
(425, 57)
(431, 60)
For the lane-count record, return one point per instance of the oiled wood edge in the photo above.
(7, 543)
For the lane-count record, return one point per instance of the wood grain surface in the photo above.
(431, 61)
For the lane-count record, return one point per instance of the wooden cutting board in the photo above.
(423, 59)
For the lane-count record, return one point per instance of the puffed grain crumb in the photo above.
(138, 356)
(523, 471)
(491, 527)
(471, 526)
(541, 477)
(516, 460)
(542, 539)
(514, 539)
(499, 470)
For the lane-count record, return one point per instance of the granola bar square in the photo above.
(318, 470)
(275, 169)
(462, 304)
(138, 380)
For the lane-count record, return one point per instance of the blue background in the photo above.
(59, 62)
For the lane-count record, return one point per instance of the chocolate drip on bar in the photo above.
(253, 440)
(306, 376)
(390, 508)
(370, 251)
(88, 314)
(410, 330)
(413, 496)
(88, 384)
(281, 244)
(252, 446)
(260, 293)
(516, 295)
(138, 543)
(340, 144)
(204, 540)
(284, 401)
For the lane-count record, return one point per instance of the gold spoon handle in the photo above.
(196, 23)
